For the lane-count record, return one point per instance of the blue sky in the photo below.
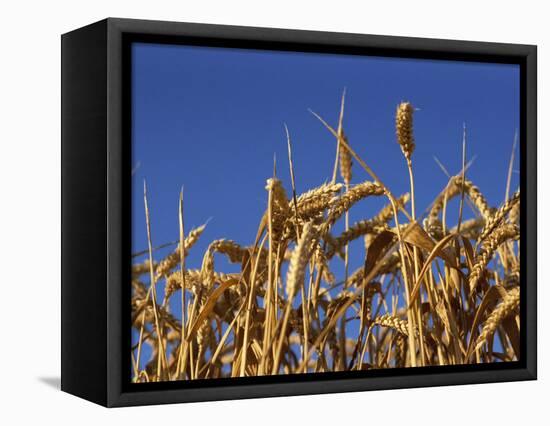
(211, 119)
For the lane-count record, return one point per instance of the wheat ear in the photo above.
(498, 216)
(298, 261)
(494, 240)
(392, 322)
(509, 306)
(404, 129)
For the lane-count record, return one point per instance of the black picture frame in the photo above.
(96, 213)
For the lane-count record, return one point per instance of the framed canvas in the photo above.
(253, 212)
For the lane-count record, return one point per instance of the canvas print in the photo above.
(304, 213)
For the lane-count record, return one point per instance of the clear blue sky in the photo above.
(211, 119)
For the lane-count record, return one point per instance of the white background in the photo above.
(30, 210)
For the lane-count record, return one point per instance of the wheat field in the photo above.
(427, 292)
